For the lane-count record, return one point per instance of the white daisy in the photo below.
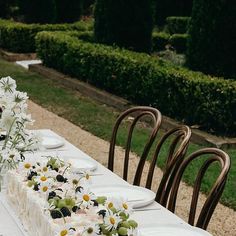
(111, 202)
(66, 230)
(124, 206)
(91, 230)
(85, 197)
(111, 220)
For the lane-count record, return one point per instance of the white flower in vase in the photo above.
(7, 84)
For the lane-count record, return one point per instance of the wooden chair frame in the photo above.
(182, 135)
(216, 191)
(138, 112)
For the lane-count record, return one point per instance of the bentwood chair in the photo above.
(138, 114)
(209, 156)
(177, 148)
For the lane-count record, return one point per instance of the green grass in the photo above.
(99, 119)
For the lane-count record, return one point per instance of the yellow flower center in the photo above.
(45, 169)
(64, 232)
(45, 189)
(87, 176)
(125, 206)
(86, 197)
(27, 165)
(112, 220)
(110, 205)
(75, 181)
(43, 178)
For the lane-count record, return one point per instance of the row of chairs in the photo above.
(175, 164)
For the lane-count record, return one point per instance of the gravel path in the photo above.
(224, 218)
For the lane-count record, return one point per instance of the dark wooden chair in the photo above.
(210, 156)
(179, 137)
(138, 113)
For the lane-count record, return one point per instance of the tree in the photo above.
(124, 23)
(165, 8)
(38, 11)
(69, 11)
(212, 41)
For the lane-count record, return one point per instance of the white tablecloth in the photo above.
(10, 225)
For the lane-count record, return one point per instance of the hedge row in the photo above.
(189, 96)
(177, 41)
(177, 24)
(19, 37)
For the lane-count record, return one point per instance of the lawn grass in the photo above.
(99, 119)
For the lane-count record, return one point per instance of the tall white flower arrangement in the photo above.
(16, 139)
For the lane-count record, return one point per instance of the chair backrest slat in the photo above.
(213, 197)
(138, 113)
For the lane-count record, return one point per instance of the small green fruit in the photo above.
(133, 223)
(122, 231)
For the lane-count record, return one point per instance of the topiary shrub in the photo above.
(68, 12)
(177, 24)
(179, 42)
(165, 8)
(38, 11)
(124, 23)
(159, 41)
(212, 41)
(3, 8)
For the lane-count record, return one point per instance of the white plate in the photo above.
(137, 196)
(79, 164)
(172, 230)
(50, 142)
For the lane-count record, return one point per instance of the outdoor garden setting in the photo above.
(117, 118)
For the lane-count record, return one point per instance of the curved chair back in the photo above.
(138, 113)
(213, 155)
(176, 152)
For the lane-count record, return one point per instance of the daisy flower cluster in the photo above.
(15, 138)
(70, 202)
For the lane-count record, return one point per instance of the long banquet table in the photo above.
(10, 225)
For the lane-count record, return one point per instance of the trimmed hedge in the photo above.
(179, 42)
(212, 41)
(177, 24)
(179, 93)
(159, 41)
(19, 37)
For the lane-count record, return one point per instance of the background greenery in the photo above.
(99, 120)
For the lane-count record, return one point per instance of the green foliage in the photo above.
(3, 8)
(212, 41)
(165, 8)
(68, 12)
(177, 92)
(38, 11)
(159, 41)
(177, 24)
(19, 37)
(88, 7)
(124, 23)
(179, 42)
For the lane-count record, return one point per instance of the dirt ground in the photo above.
(223, 222)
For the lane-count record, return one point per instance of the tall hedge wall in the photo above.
(19, 37)
(178, 93)
(212, 41)
(127, 23)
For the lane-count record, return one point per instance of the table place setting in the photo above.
(50, 187)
